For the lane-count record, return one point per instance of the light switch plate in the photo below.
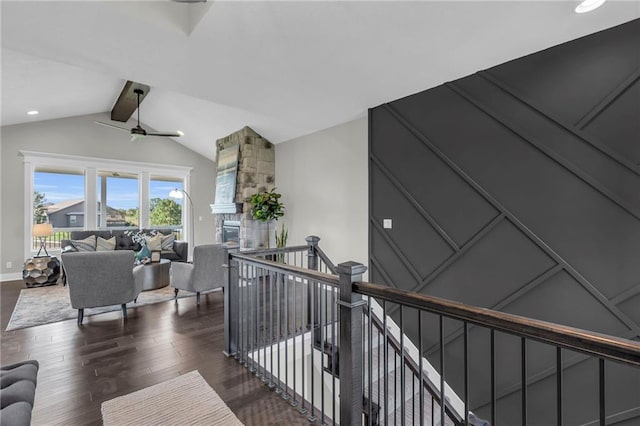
(387, 223)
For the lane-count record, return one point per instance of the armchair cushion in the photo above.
(102, 278)
(205, 273)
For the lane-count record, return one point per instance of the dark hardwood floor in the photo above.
(80, 367)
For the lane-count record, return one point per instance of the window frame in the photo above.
(90, 167)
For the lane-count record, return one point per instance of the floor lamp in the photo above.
(177, 193)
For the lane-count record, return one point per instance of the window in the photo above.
(164, 211)
(57, 195)
(75, 192)
(118, 198)
(58, 199)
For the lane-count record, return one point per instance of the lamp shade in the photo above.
(176, 193)
(42, 230)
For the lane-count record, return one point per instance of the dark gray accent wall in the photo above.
(518, 188)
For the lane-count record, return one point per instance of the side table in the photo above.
(41, 271)
(156, 275)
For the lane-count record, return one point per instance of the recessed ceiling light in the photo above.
(180, 132)
(589, 5)
(32, 112)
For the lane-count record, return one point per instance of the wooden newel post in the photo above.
(231, 305)
(350, 304)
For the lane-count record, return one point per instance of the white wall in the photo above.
(323, 181)
(80, 136)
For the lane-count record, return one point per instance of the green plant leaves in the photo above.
(266, 206)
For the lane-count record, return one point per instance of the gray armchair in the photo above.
(205, 273)
(102, 278)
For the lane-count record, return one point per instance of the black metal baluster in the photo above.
(420, 366)
(312, 417)
(331, 296)
(413, 397)
(271, 333)
(433, 416)
(559, 386)
(256, 352)
(493, 377)
(466, 373)
(386, 363)
(402, 378)
(442, 396)
(279, 331)
(602, 392)
(242, 317)
(265, 375)
(395, 388)
(322, 342)
(379, 375)
(294, 402)
(370, 371)
(303, 317)
(523, 345)
(251, 321)
(285, 283)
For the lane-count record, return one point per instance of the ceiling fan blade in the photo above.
(167, 134)
(112, 126)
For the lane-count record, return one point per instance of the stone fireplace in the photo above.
(255, 172)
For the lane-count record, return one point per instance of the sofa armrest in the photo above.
(66, 243)
(182, 250)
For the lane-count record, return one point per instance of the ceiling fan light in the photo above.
(589, 5)
(33, 112)
(180, 132)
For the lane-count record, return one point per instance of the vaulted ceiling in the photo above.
(285, 69)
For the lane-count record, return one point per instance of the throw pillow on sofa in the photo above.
(106, 245)
(167, 241)
(88, 244)
(155, 242)
(144, 252)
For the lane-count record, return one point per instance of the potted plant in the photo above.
(265, 207)
(281, 241)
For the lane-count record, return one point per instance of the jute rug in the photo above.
(45, 305)
(185, 400)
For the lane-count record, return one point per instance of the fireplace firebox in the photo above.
(231, 231)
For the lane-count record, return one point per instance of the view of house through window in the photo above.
(118, 198)
(164, 211)
(58, 198)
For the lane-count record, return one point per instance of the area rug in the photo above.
(45, 305)
(185, 400)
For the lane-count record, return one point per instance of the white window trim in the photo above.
(90, 166)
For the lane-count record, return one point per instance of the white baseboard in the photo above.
(11, 277)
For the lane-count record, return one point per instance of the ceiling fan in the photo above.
(139, 132)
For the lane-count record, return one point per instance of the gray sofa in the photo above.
(17, 392)
(178, 253)
(102, 278)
